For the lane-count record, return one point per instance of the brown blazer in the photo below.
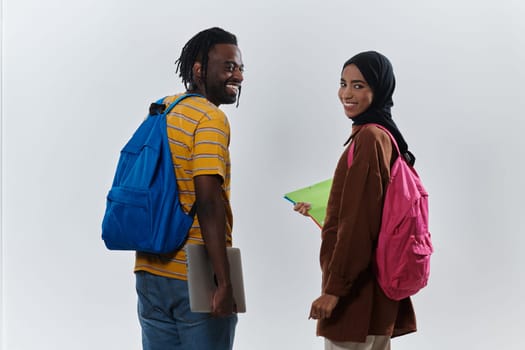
(349, 237)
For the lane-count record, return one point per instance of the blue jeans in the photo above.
(167, 322)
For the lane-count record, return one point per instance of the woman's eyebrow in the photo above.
(358, 81)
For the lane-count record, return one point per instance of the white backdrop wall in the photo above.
(77, 78)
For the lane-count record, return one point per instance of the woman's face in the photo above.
(354, 93)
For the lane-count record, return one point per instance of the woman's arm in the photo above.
(360, 210)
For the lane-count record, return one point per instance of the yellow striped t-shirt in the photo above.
(199, 136)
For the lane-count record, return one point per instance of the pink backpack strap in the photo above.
(352, 145)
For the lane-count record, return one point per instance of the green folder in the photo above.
(317, 196)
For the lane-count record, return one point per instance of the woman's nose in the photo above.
(347, 93)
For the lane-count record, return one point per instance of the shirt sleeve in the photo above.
(359, 211)
(329, 231)
(210, 150)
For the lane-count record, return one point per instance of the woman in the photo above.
(353, 311)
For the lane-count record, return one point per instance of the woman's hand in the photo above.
(302, 208)
(323, 306)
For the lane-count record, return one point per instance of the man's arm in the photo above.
(212, 219)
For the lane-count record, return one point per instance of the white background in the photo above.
(78, 76)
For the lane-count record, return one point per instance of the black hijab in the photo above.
(379, 75)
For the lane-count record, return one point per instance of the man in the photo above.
(210, 65)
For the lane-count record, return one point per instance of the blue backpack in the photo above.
(143, 211)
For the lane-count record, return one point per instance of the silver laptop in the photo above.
(201, 279)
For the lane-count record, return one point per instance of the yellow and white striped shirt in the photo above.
(199, 136)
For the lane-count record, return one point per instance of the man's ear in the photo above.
(197, 72)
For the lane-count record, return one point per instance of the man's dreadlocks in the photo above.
(197, 49)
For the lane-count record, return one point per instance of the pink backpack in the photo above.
(402, 257)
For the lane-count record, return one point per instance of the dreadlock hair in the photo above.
(197, 49)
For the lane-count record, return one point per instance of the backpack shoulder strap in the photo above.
(177, 100)
(164, 114)
(352, 145)
(351, 153)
